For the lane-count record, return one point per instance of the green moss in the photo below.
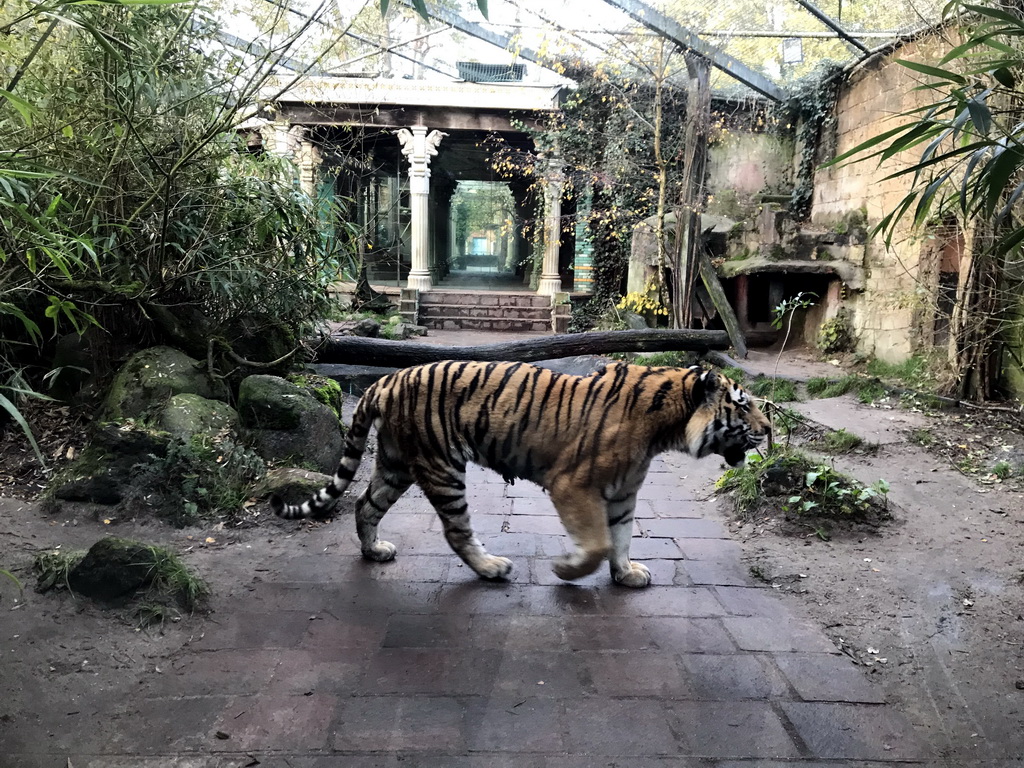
(325, 390)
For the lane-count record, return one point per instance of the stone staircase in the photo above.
(441, 309)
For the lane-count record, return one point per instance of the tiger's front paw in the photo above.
(380, 551)
(637, 576)
(494, 568)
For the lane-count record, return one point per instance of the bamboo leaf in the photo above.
(1005, 77)
(25, 109)
(384, 7)
(981, 116)
(874, 141)
(998, 175)
(421, 9)
(482, 5)
(993, 13)
(925, 69)
(15, 414)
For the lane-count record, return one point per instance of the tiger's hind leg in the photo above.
(582, 511)
(389, 481)
(445, 489)
(620, 524)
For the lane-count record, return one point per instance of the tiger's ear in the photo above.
(707, 385)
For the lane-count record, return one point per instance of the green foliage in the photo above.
(914, 372)
(808, 487)
(777, 390)
(171, 578)
(922, 436)
(969, 141)
(841, 441)
(52, 568)
(663, 360)
(825, 387)
(736, 374)
(205, 477)
(1002, 470)
(835, 335)
(811, 110)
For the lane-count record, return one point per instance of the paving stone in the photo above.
(719, 550)
(533, 506)
(731, 729)
(569, 598)
(435, 630)
(515, 724)
(261, 722)
(525, 544)
(716, 573)
(637, 673)
(225, 672)
(518, 633)
(687, 635)
(750, 601)
(663, 572)
(621, 727)
(671, 506)
(762, 634)
(540, 524)
(305, 672)
(662, 601)
(335, 638)
(479, 596)
(524, 489)
(422, 568)
(429, 671)
(847, 731)
(247, 629)
(548, 674)
(728, 677)
(390, 723)
(685, 528)
(653, 549)
(828, 677)
(604, 633)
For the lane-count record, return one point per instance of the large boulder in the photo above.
(112, 568)
(153, 376)
(105, 470)
(189, 414)
(287, 424)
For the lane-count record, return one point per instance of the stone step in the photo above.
(452, 323)
(495, 313)
(488, 299)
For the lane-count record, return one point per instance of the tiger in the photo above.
(587, 440)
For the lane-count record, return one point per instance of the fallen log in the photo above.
(357, 350)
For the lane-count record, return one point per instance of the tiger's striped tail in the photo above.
(320, 504)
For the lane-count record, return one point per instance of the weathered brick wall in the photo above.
(744, 165)
(886, 315)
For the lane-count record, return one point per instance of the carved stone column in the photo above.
(550, 281)
(419, 147)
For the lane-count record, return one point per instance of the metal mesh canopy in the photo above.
(780, 40)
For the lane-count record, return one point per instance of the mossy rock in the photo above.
(189, 414)
(287, 424)
(153, 376)
(292, 484)
(112, 568)
(326, 390)
(104, 470)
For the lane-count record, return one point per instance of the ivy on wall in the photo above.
(811, 113)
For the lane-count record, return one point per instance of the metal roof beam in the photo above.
(505, 42)
(684, 38)
(832, 24)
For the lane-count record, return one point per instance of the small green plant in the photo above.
(841, 441)
(834, 335)
(1002, 470)
(914, 372)
(662, 360)
(778, 390)
(52, 568)
(171, 578)
(832, 494)
(922, 437)
(824, 387)
(736, 374)
(871, 390)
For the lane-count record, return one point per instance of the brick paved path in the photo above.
(321, 659)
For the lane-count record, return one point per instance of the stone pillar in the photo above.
(419, 147)
(550, 280)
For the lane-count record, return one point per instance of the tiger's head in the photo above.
(726, 420)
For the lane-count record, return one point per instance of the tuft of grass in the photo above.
(662, 360)
(922, 437)
(913, 372)
(841, 441)
(867, 390)
(52, 568)
(776, 390)
(171, 578)
(1002, 470)
(825, 387)
(736, 374)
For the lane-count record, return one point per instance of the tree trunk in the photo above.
(356, 350)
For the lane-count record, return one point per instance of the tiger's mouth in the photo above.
(735, 456)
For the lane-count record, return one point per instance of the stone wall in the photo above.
(887, 316)
(743, 166)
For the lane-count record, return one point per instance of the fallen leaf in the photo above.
(210, 540)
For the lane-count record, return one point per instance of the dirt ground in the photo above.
(930, 604)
